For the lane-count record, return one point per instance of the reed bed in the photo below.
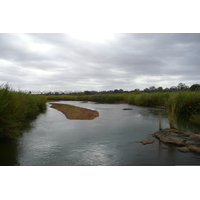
(177, 103)
(17, 109)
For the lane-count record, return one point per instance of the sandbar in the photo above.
(75, 112)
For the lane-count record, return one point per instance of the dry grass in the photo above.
(74, 112)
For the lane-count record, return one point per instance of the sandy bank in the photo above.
(74, 112)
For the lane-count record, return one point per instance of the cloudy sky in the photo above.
(98, 61)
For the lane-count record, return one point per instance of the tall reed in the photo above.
(177, 103)
(16, 108)
(183, 103)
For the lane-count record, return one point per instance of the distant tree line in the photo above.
(179, 87)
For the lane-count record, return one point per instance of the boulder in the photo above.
(127, 109)
(185, 141)
(193, 140)
(172, 136)
(194, 148)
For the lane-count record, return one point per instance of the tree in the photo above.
(137, 90)
(118, 91)
(146, 90)
(160, 89)
(173, 88)
(166, 89)
(87, 92)
(195, 87)
(152, 88)
(182, 86)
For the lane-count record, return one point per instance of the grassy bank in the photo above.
(177, 103)
(16, 109)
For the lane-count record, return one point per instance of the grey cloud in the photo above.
(128, 61)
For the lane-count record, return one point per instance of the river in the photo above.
(112, 139)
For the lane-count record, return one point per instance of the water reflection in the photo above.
(183, 123)
(110, 139)
(8, 153)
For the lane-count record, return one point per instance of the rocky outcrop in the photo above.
(183, 149)
(194, 148)
(185, 141)
(193, 140)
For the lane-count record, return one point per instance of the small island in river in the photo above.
(75, 112)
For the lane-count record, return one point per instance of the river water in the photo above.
(109, 140)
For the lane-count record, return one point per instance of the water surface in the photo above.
(110, 139)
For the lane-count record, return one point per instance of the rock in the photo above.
(127, 109)
(171, 136)
(188, 141)
(194, 148)
(147, 141)
(193, 140)
(183, 149)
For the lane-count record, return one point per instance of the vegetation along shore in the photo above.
(17, 109)
(178, 103)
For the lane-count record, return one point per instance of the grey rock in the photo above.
(171, 136)
(188, 141)
(193, 140)
(183, 149)
(194, 148)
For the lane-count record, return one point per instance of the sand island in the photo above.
(75, 112)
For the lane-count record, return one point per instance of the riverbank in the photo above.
(74, 112)
(17, 109)
(184, 103)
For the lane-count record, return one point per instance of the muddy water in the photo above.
(110, 139)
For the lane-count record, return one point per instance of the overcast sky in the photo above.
(103, 61)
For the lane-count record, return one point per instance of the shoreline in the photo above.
(75, 112)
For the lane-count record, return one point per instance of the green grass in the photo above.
(195, 118)
(149, 99)
(16, 109)
(100, 98)
(184, 103)
(177, 103)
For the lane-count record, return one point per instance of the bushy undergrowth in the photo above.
(16, 108)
